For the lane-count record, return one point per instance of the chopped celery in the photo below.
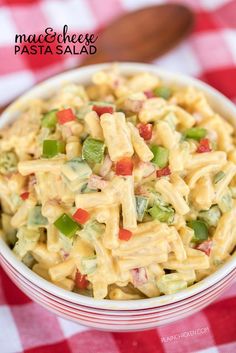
(219, 176)
(36, 219)
(16, 199)
(8, 230)
(147, 218)
(226, 203)
(102, 104)
(66, 244)
(27, 239)
(162, 214)
(161, 155)
(141, 207)
(51, 148)
(211, 216)
(92, 229)
(233, 191)
(171, 119)
(81, 112)
(163, 92)
(85, 189)
(196, 133)
(132, 119)
(153, 196)
(93, 150)
(200, 230)
(49, 119)
(171, 283)
(28, 260)
(66, 225)
(157, 199)
(89, 264)
(74, 185)
(76, 169)
(8, 162)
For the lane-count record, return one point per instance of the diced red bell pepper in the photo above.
(125, 234)
(81, 281)
(145, 130)
(81, 216)
(205, 247)
(65, 115)
(149, 94)
(99, 109)
(24, 196)
(204, 146)
(163, 172)
(124, 166)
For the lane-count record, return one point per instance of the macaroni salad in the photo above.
(121, 189)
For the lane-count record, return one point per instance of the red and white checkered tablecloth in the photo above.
(210, 54)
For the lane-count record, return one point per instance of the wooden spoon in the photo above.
(142, 35)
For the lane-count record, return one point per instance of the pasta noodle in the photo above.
(172, 196)
(117, 136)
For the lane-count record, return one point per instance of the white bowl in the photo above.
(109, 314)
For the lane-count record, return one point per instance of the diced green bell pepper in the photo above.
(200, 230)
(163, 92)
(66, 225)
(161, 155)
(196, 133)
(52, 148)
(49, 119)
(162, 214)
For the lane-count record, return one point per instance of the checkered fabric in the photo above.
(209, 54)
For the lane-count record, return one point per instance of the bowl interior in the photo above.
(82, 76)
